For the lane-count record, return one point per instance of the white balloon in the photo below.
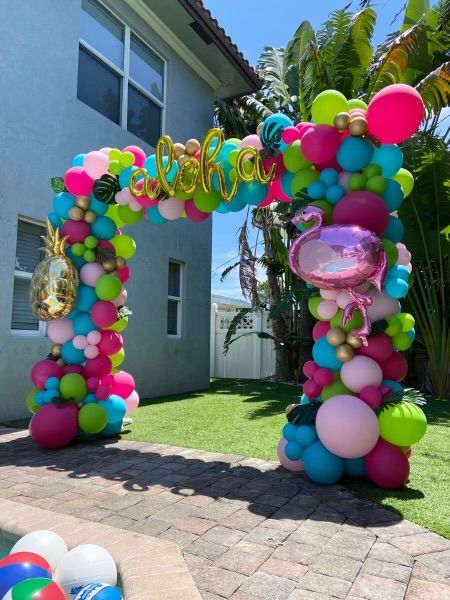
(85, 564)
(47, 544)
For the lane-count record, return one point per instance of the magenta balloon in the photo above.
(60, 331)
(395, 367)
(193, 213)
(320, 329)
(321, 143)
(98, 366)
(347, 427)
(110, 343)
(387, 465)
(291, 465)
(44, 369)
(74, 369)
(123, 384)
(54, 426)
(379, 347)
(394, 114)
(77, 231)
(104, 313)
(362, 208)
(290, 134)
(78, 182)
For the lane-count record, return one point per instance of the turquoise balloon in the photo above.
(329, 176)
(83, 324)
(150, 165)
(62, 203)
(86, 298)
(112, 429)
(225, 152)
(115, 407)
(286, 183)
(78, 261)
(215, 179)
(272, 129)
(235, 205)
(394, 230)
(97, 206)
(154, 216)
(103, 228)
(90, 399)
(54, 219)
(72, 355)
(252, 193)
(389, 157)
(222, 208)
(394, 385)
(306, 435)
(354, 154)
(392, 195)
(324, 354)
(335, 193)
(354, 467)
(52, 383)
(289, 432)
(398, 271)
(78, 160)
(304, 399)
(317, 190)
(50, 395)
(125, 176)
(396, 288)
(293, 451)
(321, 465)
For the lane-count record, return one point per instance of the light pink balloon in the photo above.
(134, 204)
(327, 309)
(359, 372)
(404, 255)
(132, 402)
(382, 306)
(171, 208)
(93, 337)
(80, 342)
(105, 150)
(121, 298)
(329, 294)
(91, 351)
(344, 176)
(122, 198)
(291, 465)
(251, 140)
(347, 427)
(60, 331)
(343, 299)
(90, 273)
(96, 164)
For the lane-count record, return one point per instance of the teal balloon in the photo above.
(354, 154)
(62, 203)
(251, 193)
(86, 298)
(97, 206)
(215, 179)
(286, 183)
(90, 399)
(125, 176)
(77, 261)
(293, 451)
(289, 432)
(83, 324)
(104, 228)
(52, 383)
(150, 165)
(324, 354)
(398, 271)
(321, 465)
(393, 195)
(394, 230)
(317, 190)
(78, 160)
(272, 129)
(329, 176)
(50, 395)
(154, 216)
(73, 313)
(396, 288)
(394, 385)
(72, 355)
(354, 467)
(225, 152)
(112, 429)
(39, 398)
(235, 205)
(115, 407)
(306, 435)
(335, 193)
(389, 157)
(222, 208)
(304, 399)
(54, 219)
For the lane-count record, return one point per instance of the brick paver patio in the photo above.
(248, 529)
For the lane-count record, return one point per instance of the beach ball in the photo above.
(37, 588)
(15, 572)
(99, 591)
(85, 564)
(46, 544)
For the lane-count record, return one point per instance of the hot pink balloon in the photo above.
(123, 384)
(310, 368)
(76, 231)
(193, 213)
(92, 384)
(290, 134)
(60, 331)
(320, 143)
(106, 244)
(124, 273)
(99, 366)
(139, 155)
(251, 141)
(312, 389)
(79, 369)
(132, 402)
(291, 465)
(362, 208)
(104, 313)
(346, 426)
(78, 182)
(372, 396)
(54, 426)
(96, 164)
(44, 369)
(110, 343)
(323, 377)
(303, 127)
(171, 208)
(394, 114)
(359, 372)
(387, 466)
(91, 272)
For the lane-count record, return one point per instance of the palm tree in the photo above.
(340, 56)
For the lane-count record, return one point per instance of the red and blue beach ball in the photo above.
(99, 591)
(39, 588)
(20, 566)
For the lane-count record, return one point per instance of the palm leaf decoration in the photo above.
(57, 184)
(106, 188)
(408, 395)
(304, 414)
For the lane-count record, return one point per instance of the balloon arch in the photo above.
(351, 418)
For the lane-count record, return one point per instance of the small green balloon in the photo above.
(235, 141)
(372, 170)
(293, 158)
(128, 216)
(112, 213)
(29, 401)
(405, 179)
(391, 252)
(302, 179)
(356, 182)
(377, 184)
(356, 103)
(92, 418)
(73, 387)
(206, 201)
(77, 249)
(115, 167)
(355, 322)
(119, 325)
(313, 303)
(402, 424)
(114, 154)
(327, 105)
(335, 389)
(407, 321)
(124, 245)
(117, 358)
(126, 159)
(89, 256)
(90, 242)
(402, 342)
(232, 157)
(108, 287)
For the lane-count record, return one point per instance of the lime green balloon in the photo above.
(327, 105)
(372, 170)
(327, 209)
(108, 287)
(113, 213)
(115, 167)
(377, 184)
(402, 342)
(92, 418)
(394, 326)
(293, 158)
(407, 321)
(356, 103)
(117, 358)
(391, 251)
(90, 242)
(114, 154)
(302, 179)
(73, 387)
(119, 325)
(356, 182)
(313, 303)
(128, 216)
(355, 322)
(234, 141)
(77, 249)
(402, 424)
(335, 389)
(29, 401)
(124, 245)
(206, 201)
(405, 179)
(89, 256)
(232, 157)
(126, 159)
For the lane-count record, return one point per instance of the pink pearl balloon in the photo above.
(327, 309)
(171, 208)
(193, 213)
(404, 255)
(132, 402)
(251, 141)
(135, 206)
(60, 331)
(394, 114)
(329, 294)
(103, 314)
(98, 366)
(320, 329)
(76, 231)
(321, 143)
(346, 426)
(123, 384)
(290, 134)
(96, 164)
(139, 155)
(110, 343)
(54, 426)
(91, 272)
(291, 465)
(387, 466)
(91, 351)
(93, 337)
(382, 306)
(121, 298)
(80, 342)
(122, 197)
(105, 150)
(78, 182)
(359, 372)
(44, 369)
(343, 299)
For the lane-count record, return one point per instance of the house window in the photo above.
(174, 299)
(27, 258)
(119, 75)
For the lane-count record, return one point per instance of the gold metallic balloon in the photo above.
(109, 264)
(342, 121)
(353, 341)
(358, 126)
(192, 146)
(83, 202)
(182, 158)
(335, 336)
(345, 352)
(76, 213)
(179, 149)
(120, 262)
(90, 216)
(56, 350)
(289, 408)
(54, 285)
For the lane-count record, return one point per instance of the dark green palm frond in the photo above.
(272, 68)
(414, 12)
(331, 38)
(443, 10)
(314, 76)
(236, 323)
(239, 117)
(247, 273)
(304, 414)
(435, 88)
(228, 270)
(295, 51)
(408, 395)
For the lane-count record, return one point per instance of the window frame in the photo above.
(41, 331)
(178, 299)
(124, 73)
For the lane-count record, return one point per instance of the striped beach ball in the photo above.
(38, 588)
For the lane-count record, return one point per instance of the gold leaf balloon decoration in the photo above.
(54, 285)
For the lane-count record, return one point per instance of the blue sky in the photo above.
(253, 24)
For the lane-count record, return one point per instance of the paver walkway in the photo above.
(248, 529)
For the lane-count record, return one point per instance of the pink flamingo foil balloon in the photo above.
(339, 257)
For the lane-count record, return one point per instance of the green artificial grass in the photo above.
(245, 417)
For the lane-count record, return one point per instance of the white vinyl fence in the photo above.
(248, 357)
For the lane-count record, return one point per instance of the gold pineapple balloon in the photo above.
(53, 288)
